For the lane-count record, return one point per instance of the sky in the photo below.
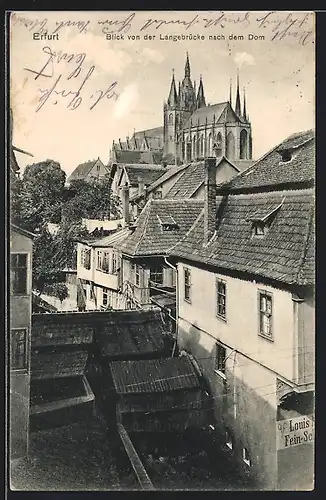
(126, 81)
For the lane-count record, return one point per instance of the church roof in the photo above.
(137, 156)
(222, 112)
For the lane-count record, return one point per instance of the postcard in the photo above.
(161, 170)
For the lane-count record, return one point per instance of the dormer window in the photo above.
(286, 155)
(168, 223)
(262, 219)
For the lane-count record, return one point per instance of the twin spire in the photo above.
(243, 114)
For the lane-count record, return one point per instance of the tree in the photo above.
(42, 194)
(90, 199)
(46, 264)
(58, 290)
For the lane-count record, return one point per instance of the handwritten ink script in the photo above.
(70, 85)
(275, 26)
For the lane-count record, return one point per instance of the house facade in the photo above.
(21, 248)
(246, 311)
(92, 169)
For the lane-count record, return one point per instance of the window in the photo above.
(86, 258)
(19, 349)
(98, 167)
(106, 262)
(220, 359)
(246, 456)
(136, 273)
(221, 298)
(105, 296)
(156, 275)
(99, 259)
(187, 285)
(229, 441)
(19, 273)
(114, 263)
(265, 315)
(158, 195)
(259, 229)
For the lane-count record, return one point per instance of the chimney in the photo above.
(141, 186)
(125, 204)
(210, 199)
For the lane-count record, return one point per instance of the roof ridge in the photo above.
(190, 229)
(148, 206)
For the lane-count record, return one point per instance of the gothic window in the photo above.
(243, 144)
(210, 145)
(183, 150)
(170, 119)
(198, 147)
(230, 146)
(194, 148)
(188, 151)
(201, 152)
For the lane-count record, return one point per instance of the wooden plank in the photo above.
(137, 465)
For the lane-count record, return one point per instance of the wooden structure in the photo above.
(158, 395)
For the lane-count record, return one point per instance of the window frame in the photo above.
(218, 281)
(105, 296)
(265, 336)
(13, 270)
(156, 271)
(87, 254)
(217, 368)
(25, 341)
(187, 286)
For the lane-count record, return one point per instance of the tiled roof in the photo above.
(170, 172)
(58, 364)
(131, 332)
(270, 170)
(111, 240)
(222, 112)
(140, 157)
(150, 132)
(60, 329)
(83, 170)
(149, 238)
(284, 254)
(189, 182)
(147, 173)
(154, 375)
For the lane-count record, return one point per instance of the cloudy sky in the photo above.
(50, 121)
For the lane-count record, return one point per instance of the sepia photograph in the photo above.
(161, 250)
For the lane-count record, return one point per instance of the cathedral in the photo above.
(191, 129)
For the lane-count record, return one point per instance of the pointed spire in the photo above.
(230, 98)
(244, 105)
(201, 103)
(173, 98)
(237, 102)
(187, 67)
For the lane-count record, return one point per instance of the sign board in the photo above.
(294, 431)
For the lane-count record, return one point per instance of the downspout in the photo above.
(176, 303)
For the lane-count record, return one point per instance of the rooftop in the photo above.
(271, 170)
(144, 173)
(131, 332)
(285, 253)
(149, 237)
(82, 170)
(154, 375)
